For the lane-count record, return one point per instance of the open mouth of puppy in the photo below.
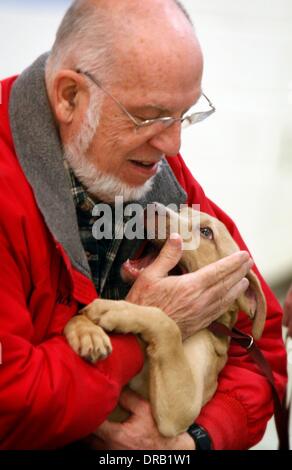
(133, 267)
(150, 249)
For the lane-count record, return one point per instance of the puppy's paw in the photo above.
(87, 340)
(95, 345)
(113, 320)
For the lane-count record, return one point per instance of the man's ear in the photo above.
(253, 303)
(68, 94)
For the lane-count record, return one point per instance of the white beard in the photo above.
(104, 187)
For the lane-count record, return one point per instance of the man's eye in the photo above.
(140, 120)
(143, 119)
(207, 232)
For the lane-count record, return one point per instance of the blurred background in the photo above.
(242, 155)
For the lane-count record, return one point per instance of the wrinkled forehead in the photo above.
(159, 61)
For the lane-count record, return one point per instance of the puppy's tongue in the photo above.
(133, 267)
(129, 273)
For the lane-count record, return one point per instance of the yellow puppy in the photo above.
(178, 377)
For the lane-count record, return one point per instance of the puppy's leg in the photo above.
(87, 339)
(172, 389)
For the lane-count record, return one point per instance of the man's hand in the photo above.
(287, 320)
(192, 300)
(138, 432)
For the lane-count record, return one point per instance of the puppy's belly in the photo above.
(205, 362)
(206, 355)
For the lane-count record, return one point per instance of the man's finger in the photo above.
(221, 305)
(215, 272)
(167, 259)
(232, 279)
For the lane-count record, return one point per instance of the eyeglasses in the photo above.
(185, 121)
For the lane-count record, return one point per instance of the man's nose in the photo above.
(168, 141)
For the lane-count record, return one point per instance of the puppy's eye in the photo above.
(207, 233)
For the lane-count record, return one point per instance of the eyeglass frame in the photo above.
(168, 121)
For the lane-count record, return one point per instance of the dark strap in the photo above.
(247, 342)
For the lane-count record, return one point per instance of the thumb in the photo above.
(167, 259)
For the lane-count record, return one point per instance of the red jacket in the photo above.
(48, 395)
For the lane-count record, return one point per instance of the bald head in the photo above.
(100, 35)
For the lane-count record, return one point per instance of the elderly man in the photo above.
(99, 117)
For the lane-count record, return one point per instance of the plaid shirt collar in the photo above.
(100, 254)
(81, 197)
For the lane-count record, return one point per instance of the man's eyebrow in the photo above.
(154, 107)
(164, 110)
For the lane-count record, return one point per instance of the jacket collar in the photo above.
(40, 154)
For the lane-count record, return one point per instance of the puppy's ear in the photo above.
(253, 303)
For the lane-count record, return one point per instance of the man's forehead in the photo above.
(158, 56)
(150, 67)
(159, 30)
(160, 88)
